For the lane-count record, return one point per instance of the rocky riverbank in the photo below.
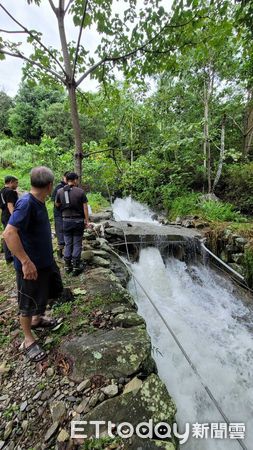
(100, 365)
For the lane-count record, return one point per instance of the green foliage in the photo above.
(219, 211)
(184, 205)
(101, 443)
(5, 106)
(248, 265)
(97, 201)
(191, 204)
(21, 158)
(30, 102)
(237, 186)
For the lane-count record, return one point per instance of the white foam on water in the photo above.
(132, 211)
(201, 308)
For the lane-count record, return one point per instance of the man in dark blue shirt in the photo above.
(28, 236)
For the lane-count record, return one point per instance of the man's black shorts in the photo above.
(33, 294)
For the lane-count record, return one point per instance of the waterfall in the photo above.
(211, 322)
(130, 210)
(207, 318)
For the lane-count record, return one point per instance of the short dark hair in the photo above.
(10, 178)
(71, 176)
(41, 177)
(66, 173)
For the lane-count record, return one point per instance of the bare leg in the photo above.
(35, 320)
(25, 322)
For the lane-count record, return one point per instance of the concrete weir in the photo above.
(169, 239)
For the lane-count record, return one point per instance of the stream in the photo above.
(212, 323)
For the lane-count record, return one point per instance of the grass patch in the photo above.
(191, 205)
(97, 201)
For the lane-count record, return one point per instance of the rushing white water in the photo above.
(130, 210)
(207, 317)
(204, 313)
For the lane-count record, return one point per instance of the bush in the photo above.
(219, 211)
(190, 204)
(236, 186)
(97, 201)
(184, 206)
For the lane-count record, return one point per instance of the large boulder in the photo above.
(150, 402)
(103, 282)
(116, 353)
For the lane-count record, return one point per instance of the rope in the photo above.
(206, 388)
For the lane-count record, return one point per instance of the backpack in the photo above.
(2, 199)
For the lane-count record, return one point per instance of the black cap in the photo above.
(71, 176)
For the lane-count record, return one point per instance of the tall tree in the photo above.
(123, 36)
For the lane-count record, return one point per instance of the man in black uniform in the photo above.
(74, 206)
(58, 222)
(8, 199)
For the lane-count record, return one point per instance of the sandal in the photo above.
(34, 352)
(45, 323)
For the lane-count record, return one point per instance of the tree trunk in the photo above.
(71, 87)
(222, 153)
(77, 132)
(208, 90)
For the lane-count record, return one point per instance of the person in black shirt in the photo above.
(74, 207)
(9, 197)
(58, 222)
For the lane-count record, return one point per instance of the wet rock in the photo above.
(119, 269)
(51, 431)
(2, 444)
(116, 353)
